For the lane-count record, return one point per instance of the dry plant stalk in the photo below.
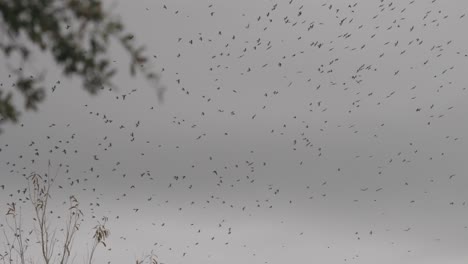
(100, 236)
(39, 193)
(72, 226)
(150, 258)
(39, 188)
(17, 243)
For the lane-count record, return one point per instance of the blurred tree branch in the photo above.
(77, 34)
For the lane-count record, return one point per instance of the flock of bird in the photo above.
(272, 116)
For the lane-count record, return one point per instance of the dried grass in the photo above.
(17, 244)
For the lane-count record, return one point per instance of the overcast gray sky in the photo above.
(316, 131)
